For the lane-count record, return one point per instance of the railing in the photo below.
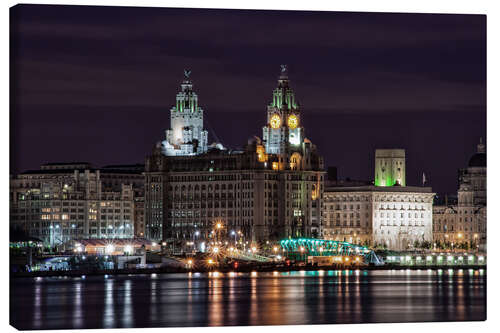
(248, 256)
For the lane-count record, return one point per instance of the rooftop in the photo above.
(373, 188)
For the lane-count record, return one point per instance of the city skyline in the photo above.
(181, 167)
(366, 93)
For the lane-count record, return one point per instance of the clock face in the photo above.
(275, 121)
(293, 121)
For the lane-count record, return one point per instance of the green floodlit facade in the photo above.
(390, 167)
(388, 181)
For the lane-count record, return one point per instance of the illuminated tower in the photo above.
(390, 167)
(186, 135)
(283, 133)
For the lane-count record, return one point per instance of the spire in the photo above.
(481, 147)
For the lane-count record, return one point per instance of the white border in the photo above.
(421, 6)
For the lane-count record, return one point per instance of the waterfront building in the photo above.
(269, 190)
(120, 246)
(139, 223)
(390, 214)
(64, 201)
(463, 224)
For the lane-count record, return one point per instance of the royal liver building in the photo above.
(270, 190)
(186, 135)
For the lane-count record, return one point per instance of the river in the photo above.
(257, 298)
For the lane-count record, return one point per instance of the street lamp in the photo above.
(128, 249)
(51, 236)
(233, 233)
(195, 236)
(110, 248)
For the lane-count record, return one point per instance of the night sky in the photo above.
(96, 84)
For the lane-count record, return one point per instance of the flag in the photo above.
(423, 178)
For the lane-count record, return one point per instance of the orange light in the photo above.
(261, 153)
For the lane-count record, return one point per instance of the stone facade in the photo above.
(464, 223)
(59, 203)
(270, 190)
(388, 213)
(371, 215)
(139, 222)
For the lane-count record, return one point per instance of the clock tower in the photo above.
(283, 133)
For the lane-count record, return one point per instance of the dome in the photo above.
(478, 160)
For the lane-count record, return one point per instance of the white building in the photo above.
(186, 135)
(396, 216)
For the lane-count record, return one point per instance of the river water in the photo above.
(258, 298)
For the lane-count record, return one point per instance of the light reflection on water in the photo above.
(109, 313)
(256, 298)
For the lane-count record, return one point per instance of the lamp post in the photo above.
(233, 233)
(242, 238)
(218, 226)
(51, 236)
(57, 228)
(195, 236)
